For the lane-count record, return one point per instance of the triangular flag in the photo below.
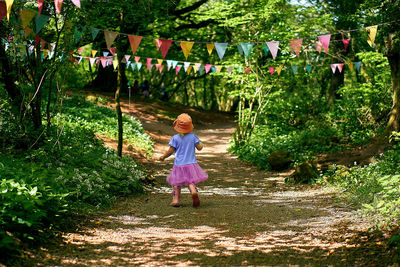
(271, 70)
(294, 69)
(345, 43)
(37, 39)
(149, 59)
(78, 33)
(325, 40)
(76, 3)
(165, 44)
(138, 66)
(45, 53)
(178, 68)
(218, 68)
(103, 61)
(266, 49)
(296, 46)
(240, 49)
(58, 5)
(189, 70)
(40, 22)
(133, 65)
(137, 59)
(186, 47)
(213, 69)
(158, 43)
(221, 48)
(247, 47)
(51, 54)
(197, 66)
(80, 49)
(169, 64)
(309, 68)
(174, 63)
(201, 70)
(372, 34)
(94, 52)
(3, 10)
(319, 46)
(110, 37)
(40, 6)
(127, 57)
(26, 17)
(161, 68)
(210, 47)
(128, 63)
(105, 53)
(160, 61)
(92, 60)
(9, 4)
(351, 65)
(207, 67)
(340, 67)
(42, 44)
(115, 63)
(80, 59)
(28, 31)
(333, 67)
(134, 40)
(229, 70)
(94, 33)
(279, 69)
(273, 47)
(358, 65)
(186, 65)
(113, 50)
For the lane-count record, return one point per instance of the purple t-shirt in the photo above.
(184, 148)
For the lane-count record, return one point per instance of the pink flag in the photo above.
(103, 61)
(92, 60)
(77, 3)
(161, 68)
(137, 59)
(271, 70)
(229, 70)
(319, 46)
(157, 66)
(296, 46)
(40, 5)
(127, 58)
(149, 59)
(178, 68)
(207, 67)
(80, 50)
(134, 41)
(158, 43)
(333, 67)
(340, 67)
(165, 44)
(346, 43)
(325, 40)
(58, 4)
(273, 47)
(197, 66)
(113, 50)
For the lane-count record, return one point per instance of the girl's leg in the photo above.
(195, 195)
(176, 195)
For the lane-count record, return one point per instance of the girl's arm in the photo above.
(200, 146)
(167, 153)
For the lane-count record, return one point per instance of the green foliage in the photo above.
(375, 188)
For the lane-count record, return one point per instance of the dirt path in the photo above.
(246, 217)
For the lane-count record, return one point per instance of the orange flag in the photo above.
(134, 40)
(26, 17)
(279, 69)
(296, 46)
(58, 4)
(110, 37)
(186, 47)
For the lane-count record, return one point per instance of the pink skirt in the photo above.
(186, 174)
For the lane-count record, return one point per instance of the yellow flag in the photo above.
(189, 70)
(160, 61)
(279, 69)
(218, 67)
(186, 47)
(210, 48)
(372, 34)
(94, 52)
(115, 63)
(26, 17)
(45, 53)
(9, 4)
(351, 65)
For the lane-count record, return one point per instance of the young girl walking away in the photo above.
(186, 171)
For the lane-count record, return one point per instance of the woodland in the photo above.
(315, 82)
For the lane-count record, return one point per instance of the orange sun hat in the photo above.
(183, 124)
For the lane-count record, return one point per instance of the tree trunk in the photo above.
(394, 120)
(118, 108)
(336, 81)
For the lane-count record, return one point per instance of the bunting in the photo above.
(309, 68)
(137, 59)
(265, 49)
(169, 64)
(112, 50)
(340, 67)
(26, 17)
(351, 65)
(134, 41)
(58, 5)
(40, 22)
(325, 40)
(3, 10)
(110, 37)
(186, 65)
(296, 46)
(94, 33)
(221, 48)
(371, 34)
(158, 43)
(319, 46)
(294, 69)
(273, 47)
(207, 67)
(40, 6)
(9, 4)
(279, 69)
(94, 52)
(178, 68)
(165, 45)
(358, 65)
(77, 3)
(247, 47)
(186, 47)
(345, 43)
(333, 67)
(271, 70)
(210, 47)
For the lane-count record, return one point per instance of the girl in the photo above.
(186, 171)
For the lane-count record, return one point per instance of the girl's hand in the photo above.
(161, 158)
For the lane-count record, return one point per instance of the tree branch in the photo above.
(199, 25)
(189, 8)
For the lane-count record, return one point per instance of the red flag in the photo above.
(3, 10)
(134, 41)
(40, 5)
(346, 43)
(165, 44)
(271, 70)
